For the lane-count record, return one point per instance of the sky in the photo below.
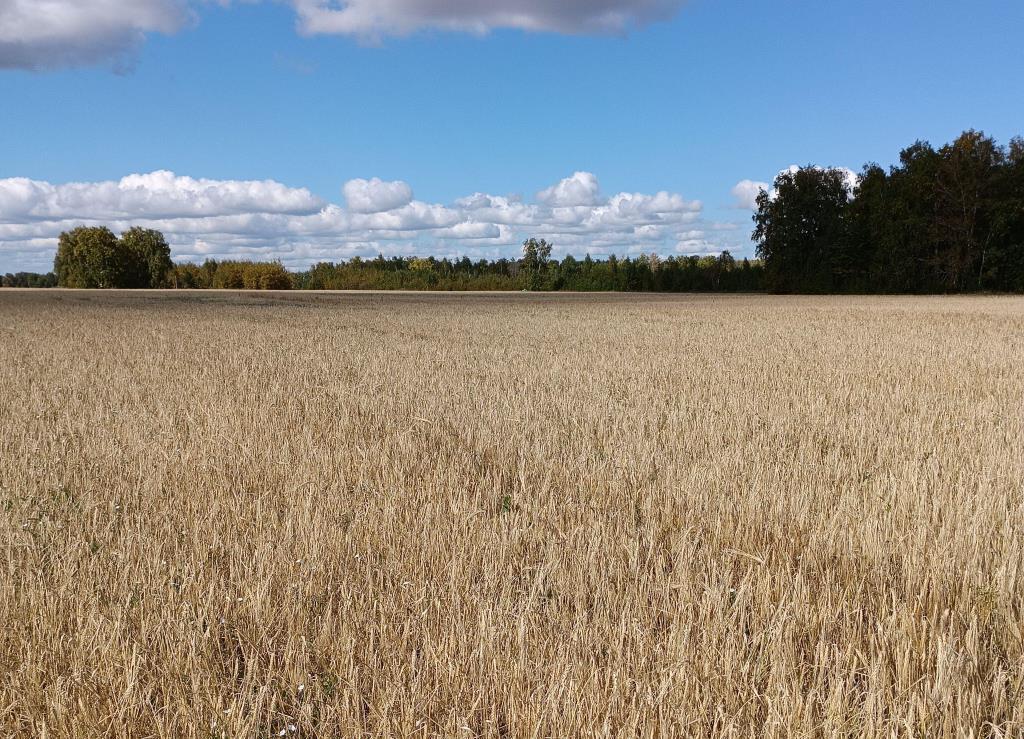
(317, 130)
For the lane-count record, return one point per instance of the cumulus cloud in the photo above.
(746, 192)
(474, 230)
(851, 178)
(48, 34)
(375, 195)
(579, 190)
(264, 219)
(637, 206)
(375, 18)
(38, 34)
(158, 194)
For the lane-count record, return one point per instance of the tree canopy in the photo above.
(942, 220)
(93, 257)
(800, 229)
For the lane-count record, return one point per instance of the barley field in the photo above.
(410, 515)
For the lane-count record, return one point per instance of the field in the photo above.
(356, 515)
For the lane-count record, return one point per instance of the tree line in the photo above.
(28, 279)
(94, 257)
(231, 275)
(537, 270)
(944, 220)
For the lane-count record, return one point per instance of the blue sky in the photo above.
(685, 99)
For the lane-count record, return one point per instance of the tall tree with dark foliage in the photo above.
(801, 230)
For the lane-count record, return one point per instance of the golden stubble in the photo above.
(229, 514)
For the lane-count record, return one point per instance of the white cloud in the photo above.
(746, 192)
(636, 206)
(265, 219)
(45, 34)
(474, 230)
(376, 18)
(375, 195)
(851, 178)
(49, 34)
(581, 189)
(158, 194)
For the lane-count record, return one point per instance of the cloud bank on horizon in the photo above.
(66, 33)
(204, 218)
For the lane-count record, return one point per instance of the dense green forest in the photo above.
(944, 220)
(719, 273)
